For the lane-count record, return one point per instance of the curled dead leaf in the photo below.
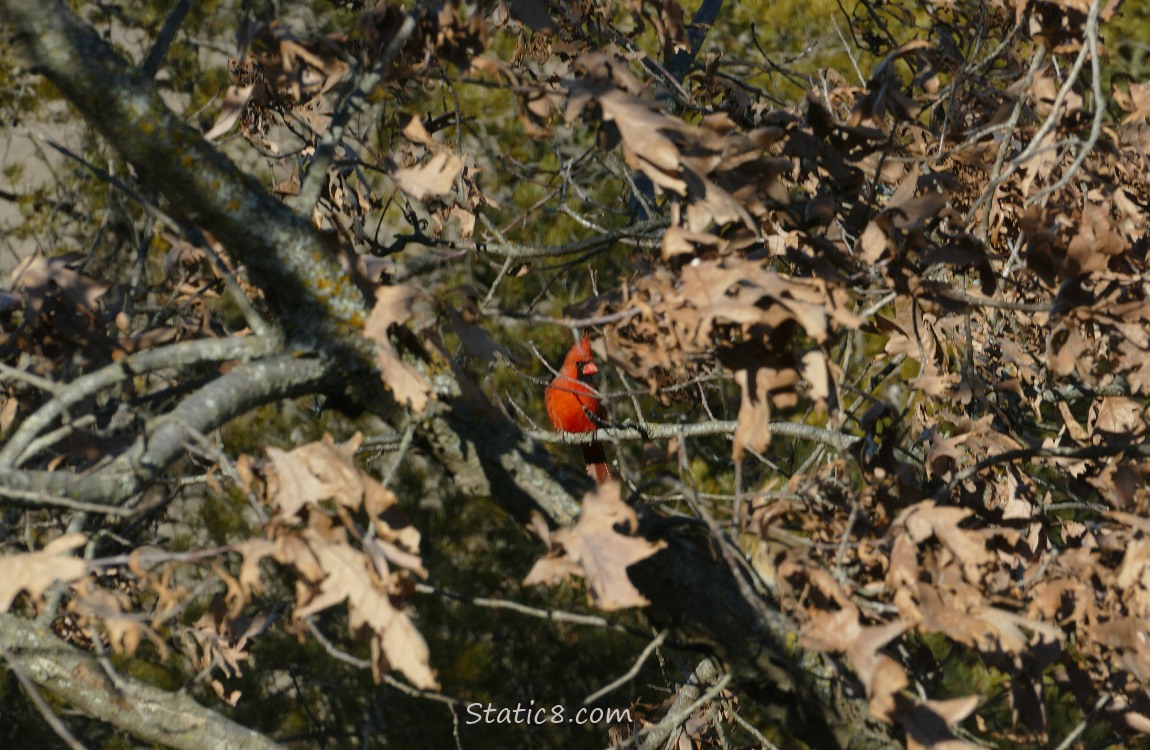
(235, 99)
(395, 305)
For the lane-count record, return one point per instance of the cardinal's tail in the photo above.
(596, 459)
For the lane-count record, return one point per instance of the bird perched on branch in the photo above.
(573, 405)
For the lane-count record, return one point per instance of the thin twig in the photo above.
(675, 719)
(1099, 108)
(1075, 733)
(571, 322)
(332, 650)
(764, 743)
(639, 229)
(41, 705)
(1086, 452)
(164, 39)
(190, 231)
(552, 615)
(401, 449)
(1004, 147)
(336, 653)
(34, 499)
(844, 543)
(351, 105)
(507, 263)
(630, 674)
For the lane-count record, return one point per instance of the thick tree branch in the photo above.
(147, 713)
(182, 354)
(285, 255)
(667, 430)
(487, 454)
(232, 394)
(686, 583)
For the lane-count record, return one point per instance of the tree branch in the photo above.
(285, 255)
(666, 430)
(352, 104)
(145, 712)
(637, 229)
(232, 394)
(182, 354)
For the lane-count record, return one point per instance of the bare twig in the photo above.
(164, 39)
(351, 105)
(571, 322)
(707, 673)
(996, 175)
(1036, 142)
(630, 674)
(552, 615)
(42, 706)
(332, 650)
(1085, 452)
(190, 231)
(1075, 733)
(507, 263)
(639, 229)
(1099, 108)
(33, 499)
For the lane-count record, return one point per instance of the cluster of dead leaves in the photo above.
(283, 73)
(337, 531)
(716, 175)
(859, 193)
(748, 317)
(58, 320)
(318, 496)
(287, 79)
(53, 306)
(100, 605)
(714, 295)
(1020, 601)
(1035, 596)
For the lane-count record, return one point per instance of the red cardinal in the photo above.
(571, 402)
